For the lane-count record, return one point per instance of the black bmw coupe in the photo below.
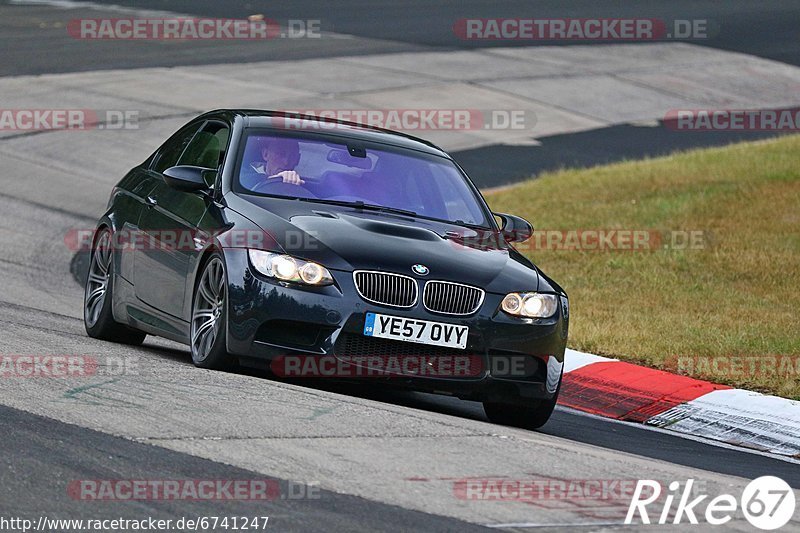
(315, 248)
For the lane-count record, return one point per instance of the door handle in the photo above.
(151, 201)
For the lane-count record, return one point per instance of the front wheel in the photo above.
(209, 315)
(98, 317)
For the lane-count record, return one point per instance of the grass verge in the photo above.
(725, 309)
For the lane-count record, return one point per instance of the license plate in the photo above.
(414, 330)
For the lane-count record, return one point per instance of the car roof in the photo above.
(260, 118)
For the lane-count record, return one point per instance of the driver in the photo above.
(279, 157)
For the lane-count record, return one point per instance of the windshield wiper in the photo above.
(460, 222)
(363, 205)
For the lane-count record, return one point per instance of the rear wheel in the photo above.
(98, 317)
(526, 416)
(209, 315)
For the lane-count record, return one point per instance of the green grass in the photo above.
(737, 297)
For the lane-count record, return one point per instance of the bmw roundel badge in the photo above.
(422, 270)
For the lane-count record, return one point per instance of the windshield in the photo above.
(328, 170)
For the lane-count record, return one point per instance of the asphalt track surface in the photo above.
(55, 453)
(35, 41)
(385, 460)
(766, 29)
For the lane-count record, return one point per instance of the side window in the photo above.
(207, 148)
(172, 149)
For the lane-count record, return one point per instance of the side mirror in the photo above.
(515, 229)
(189, 179)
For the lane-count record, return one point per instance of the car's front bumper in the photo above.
(268, 319)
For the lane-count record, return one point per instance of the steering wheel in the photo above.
(276, 184)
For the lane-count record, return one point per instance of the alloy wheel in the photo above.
(207, 311)
(99, 278)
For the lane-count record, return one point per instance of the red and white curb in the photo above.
(633, 393)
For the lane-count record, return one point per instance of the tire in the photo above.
(526, 416)
(209, 317)
(98, 300)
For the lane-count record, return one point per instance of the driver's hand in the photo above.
(289, 176)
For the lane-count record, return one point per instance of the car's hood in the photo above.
(343, 238)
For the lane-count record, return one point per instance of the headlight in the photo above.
(288, 268)
(530, 304)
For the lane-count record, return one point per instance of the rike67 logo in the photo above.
(767, 502)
